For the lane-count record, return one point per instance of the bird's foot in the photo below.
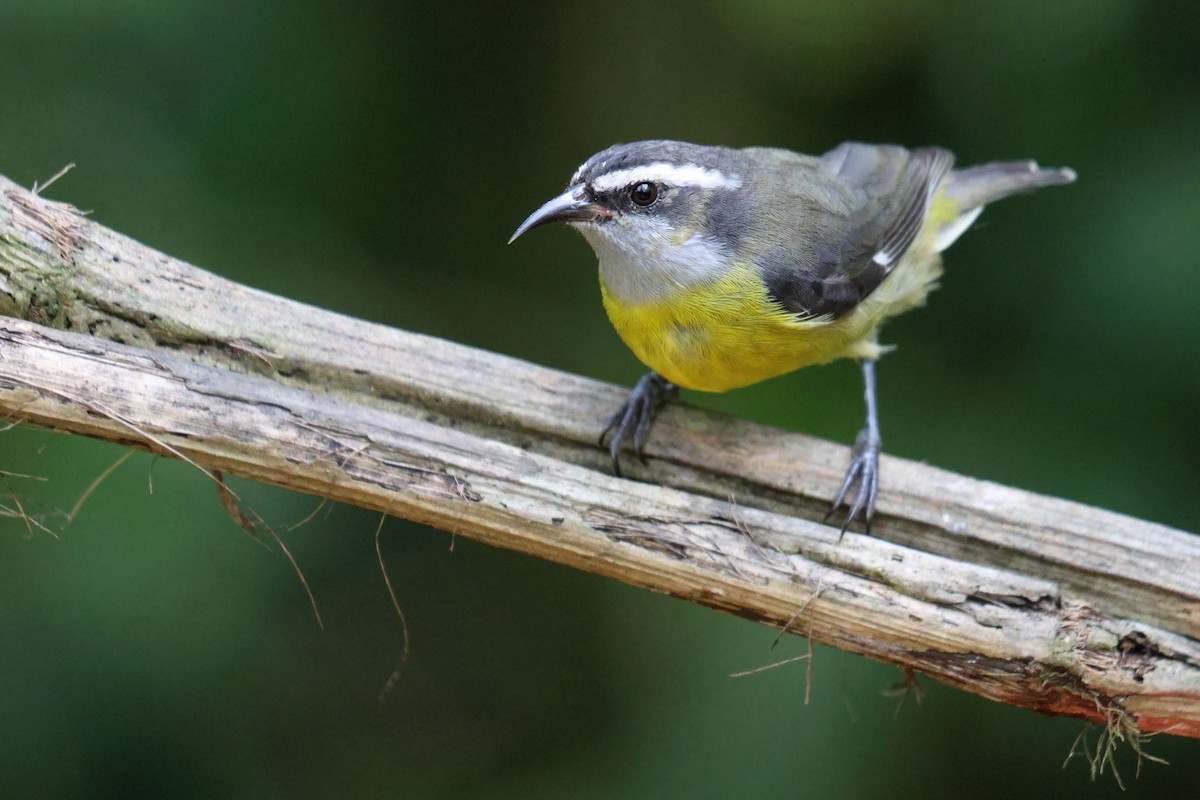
(635, 416)
(863, 477)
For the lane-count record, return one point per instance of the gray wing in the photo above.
(886, 192)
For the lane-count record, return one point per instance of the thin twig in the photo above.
(770, 666)
(29, 521)
(94, 485)
(39, 189)
(308, 518)
(312, 599)
(394, 678)
(787, 625)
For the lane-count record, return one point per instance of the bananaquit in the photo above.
(720, 268)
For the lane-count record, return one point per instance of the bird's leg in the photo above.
(863, 474)
(636, 414)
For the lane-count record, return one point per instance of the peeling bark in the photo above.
(1028, 600)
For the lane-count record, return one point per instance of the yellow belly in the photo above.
(729, 333)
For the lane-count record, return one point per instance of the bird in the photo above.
(723, 267)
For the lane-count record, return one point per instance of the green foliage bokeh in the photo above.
(373, 158)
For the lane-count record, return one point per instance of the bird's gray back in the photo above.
(834, 226)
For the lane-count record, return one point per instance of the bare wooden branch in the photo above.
(1025, 599)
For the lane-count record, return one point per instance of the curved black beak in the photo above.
(570, 206)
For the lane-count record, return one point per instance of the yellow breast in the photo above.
(724, 334)
(728, 333)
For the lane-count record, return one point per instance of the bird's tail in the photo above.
(965, 192)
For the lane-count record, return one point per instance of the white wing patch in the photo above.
(884, 258)
(669, 174)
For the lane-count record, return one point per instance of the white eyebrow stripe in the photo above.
(670, 174)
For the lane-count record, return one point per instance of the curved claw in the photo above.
(863, 477)
(636, 414)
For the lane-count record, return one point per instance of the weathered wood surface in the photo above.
(1026, 599)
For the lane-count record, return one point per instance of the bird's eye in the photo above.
(644, 194)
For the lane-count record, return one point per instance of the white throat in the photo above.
(646, 261)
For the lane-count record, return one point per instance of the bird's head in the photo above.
(656, 213)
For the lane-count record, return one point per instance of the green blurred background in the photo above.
(373, 158)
